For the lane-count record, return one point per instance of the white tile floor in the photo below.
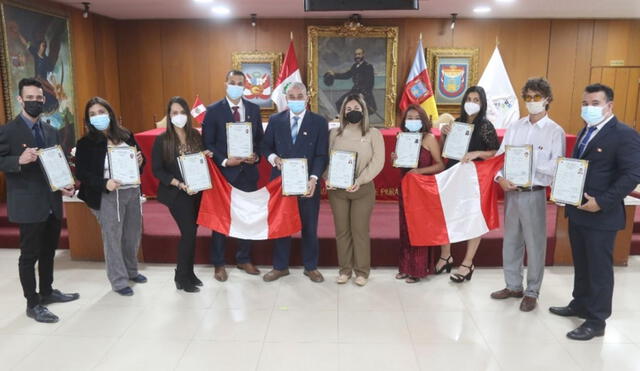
(294, 324)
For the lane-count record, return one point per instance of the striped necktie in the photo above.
(294, 129)
(585, 140)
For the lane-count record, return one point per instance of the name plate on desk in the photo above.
(568, 182)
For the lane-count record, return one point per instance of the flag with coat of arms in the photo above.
(417, 89)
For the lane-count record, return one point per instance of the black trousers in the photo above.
(38, 243)
(592, 251)
(184, 211)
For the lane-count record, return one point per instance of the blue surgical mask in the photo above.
(297, 106)
(592, 115)
(413, 125)
(100, 122)
(234, 91)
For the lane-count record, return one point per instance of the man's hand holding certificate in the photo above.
(457, 142)
(407, 150)
(56, 168)
(239, 140)
(295, 176)
(568, 183)
(195, 172)
(124, 165)
(342, 169)
(518, 165)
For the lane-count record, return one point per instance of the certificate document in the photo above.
(342, 169)
(407, 150)
(55, 167)
(457, 143)
(195, 172)
(123, 165)
(568, 183)
(295, 176)
(518, 165)
(239, 139)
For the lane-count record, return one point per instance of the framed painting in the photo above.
(453, 71)
(261, 71)
(353, 59)
(37, 44)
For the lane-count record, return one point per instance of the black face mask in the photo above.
(33, 107)
(353, 117)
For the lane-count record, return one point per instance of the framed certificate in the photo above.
(457, 143)
(239, 139)
(518, 165)
(295, 176)
(123, 165)
(195, 172)
(407, 150)
(55, 167)
(342, 169)
(568, 182)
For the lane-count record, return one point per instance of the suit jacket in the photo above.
(165, 172)
(312, 142)
(362, 77)
(91, 151)
(29, 196)
(614, 171)
(214, 137)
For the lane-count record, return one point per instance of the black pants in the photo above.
(38, 243)
(592, 251)
(184, 210)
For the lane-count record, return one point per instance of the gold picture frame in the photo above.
(452, 72)
(379, 46)
(261, 71)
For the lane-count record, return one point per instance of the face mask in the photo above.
(471, 108)
(297, 106)
(234, 91)
(33, 108)
(100, 122)
(592, 115)
(179, 120)
(536, 107)
(413, 125)
(353, 117)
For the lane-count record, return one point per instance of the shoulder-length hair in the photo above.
(364, 124)
(426, 120)
(115, 132)
(482, 114)
(171, 142)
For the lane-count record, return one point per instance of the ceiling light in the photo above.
(221, 10)
(481, 9)
(505, 1)
(203, 1)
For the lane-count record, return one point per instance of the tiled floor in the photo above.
(293, 324)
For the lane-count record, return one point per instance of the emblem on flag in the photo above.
(452, 79)
(418, 89)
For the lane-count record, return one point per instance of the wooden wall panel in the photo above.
(616, 40)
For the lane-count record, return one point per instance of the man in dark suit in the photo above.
(241, 173)
(613, 152)
(298, 133)
(30, 202)
(361, 73)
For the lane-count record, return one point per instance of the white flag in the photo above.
(502, 101)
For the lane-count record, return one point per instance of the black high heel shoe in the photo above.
(458, 278)
(194, 279)
(184, 284)
(447, 266)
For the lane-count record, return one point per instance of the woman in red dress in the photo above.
(417, 262)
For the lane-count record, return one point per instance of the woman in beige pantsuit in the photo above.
(352, 207)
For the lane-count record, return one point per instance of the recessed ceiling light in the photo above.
(221, 10)
(203, 1)
(481, 9)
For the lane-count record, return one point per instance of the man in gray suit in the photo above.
(30, 202)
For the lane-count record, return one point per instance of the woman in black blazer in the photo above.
(116, 206)
(179, 139)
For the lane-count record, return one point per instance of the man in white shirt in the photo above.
(525, 206)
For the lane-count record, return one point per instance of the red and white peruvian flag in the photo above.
(198, 110)
(259, 215)
(288, 74)
(456, 205)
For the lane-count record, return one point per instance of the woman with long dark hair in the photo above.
(116, 206)
(483, 145)
(179, 139)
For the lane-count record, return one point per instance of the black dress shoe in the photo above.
(194, 279)
(125, 291)
(139, 279)
(57, 296)
(566, 312)
(41, 314)
(585, 332)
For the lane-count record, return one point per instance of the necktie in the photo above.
(37, 133)
(583, 143)
(236, 114)
(294, 129)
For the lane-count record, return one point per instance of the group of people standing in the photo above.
(612, 148)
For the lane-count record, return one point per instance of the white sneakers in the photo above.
(342, 279)
(361, 281)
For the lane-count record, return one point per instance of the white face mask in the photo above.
(179, 120)
(536, 107)
(471, 108)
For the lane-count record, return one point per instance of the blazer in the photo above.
(613, 172)
(214, 137)
(29, 196)
(91, 151)
(165, 172)
(312, 142)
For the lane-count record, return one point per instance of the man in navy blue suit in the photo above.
(613, 152)
(298, 133)
(242, 173)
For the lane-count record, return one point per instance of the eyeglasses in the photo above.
(535, 98)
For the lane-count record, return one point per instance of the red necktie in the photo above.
(236, 114)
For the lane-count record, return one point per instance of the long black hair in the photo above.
(482, 114)
(171, 141)
(116, 133)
